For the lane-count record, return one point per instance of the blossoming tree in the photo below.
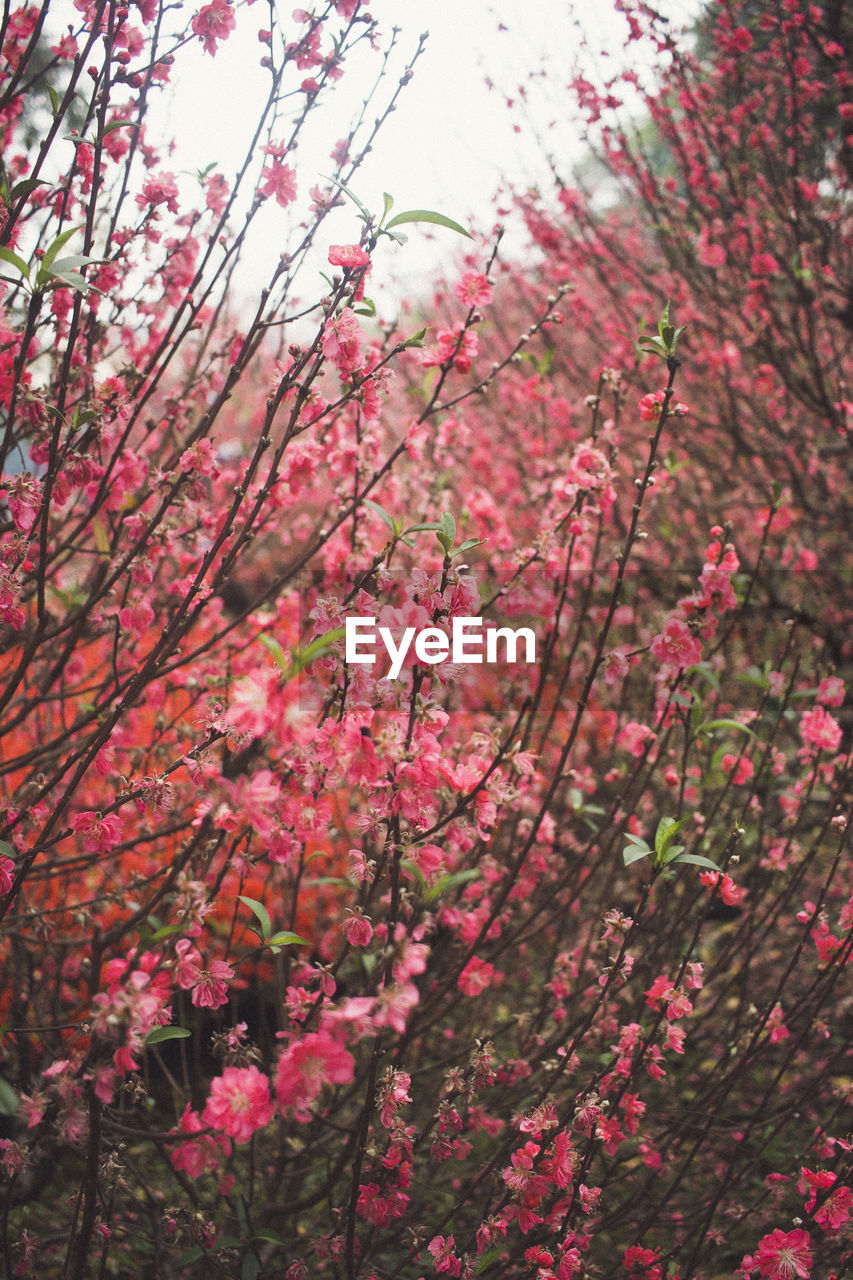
(523, 969)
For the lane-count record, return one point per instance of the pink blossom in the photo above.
(359, 930)
(100, 833)
(306, 1066)
(7, 875)
(675, 646)
(455, 346)
(342, 342)
(819, 729)
(633, 737)
(476, 977)
(443, 1256)
(348, 256)
(830, 691)
(642, 1264)
(728, 890)
(160, 188)
(239, 1102)
(740, 769)
(202, 1155)
(278, 180)
(473, 290)
(214, 22)
(211, 990)
(784, 1255)
(651, 406)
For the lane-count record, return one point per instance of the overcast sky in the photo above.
(452, 142)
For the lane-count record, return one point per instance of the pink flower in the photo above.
(726, 887)
(675, 646)
(279, 180)
(651, 406)
(203, 1155)
(455, 346)
(819, 729)
(214, 22)
(239, 1102)
(831, 691)
(443, 1256)
(348, 256)
(359, 930)
(305, 1067)
(99, 833)
(473, 290)
(785, 1255)
(633, 736)
(741, 770)
(342, 342)
(160, 188)
(211, 990)
(7, 875)
(642, 1264)
(476, 977)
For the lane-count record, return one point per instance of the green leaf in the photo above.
(285, 939)
(487, 1259)
(416, 340)
(413, 870)
(340, 185)
(452, 881)
(167, 931)
(117, 124)
(272, 1237)
(6, 849)
(72, 279)
(427, 215)
(446, 532)
(251, 1267)
(54, 100)
(159, 1034)
(634, 852)
(8, 1098)
(666, 832)
(367, 308)
(259, 910)
(7, 255)
(380, 511)
(316, 649)
(192, 1255)
(467, 545)
(102, 541)
(422, 528)
(72, 262)
(389, 205)
(672, 853)
(53, 249)
(696, 860)
(725, 723)
(273, 647)
(26, 186)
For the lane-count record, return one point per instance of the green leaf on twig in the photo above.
(159, 1034)
(262, 915)
(426, 215)
(286, 939)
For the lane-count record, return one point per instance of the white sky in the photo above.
(450, 145)
(451, 142)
